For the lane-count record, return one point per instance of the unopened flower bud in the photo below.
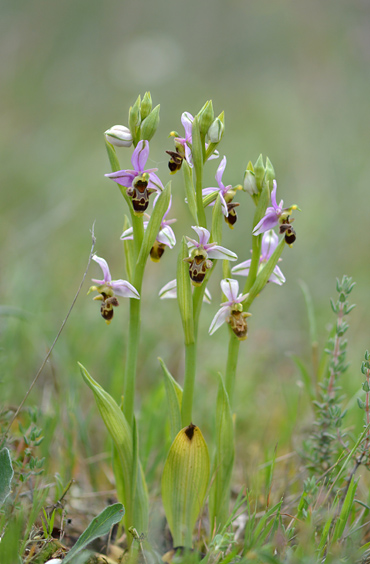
(119, 136)
(259, 171)
(206, 117)
(134, 117)
(149, 124)
(249, 182)
(146, 105)
(270, 172)
(216, 131)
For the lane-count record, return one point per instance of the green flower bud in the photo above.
(270, 172)
(206, 117)
(119, 136)
(249, 182)
(134, 119)
(216, 131)
(146, 105)
(259, 171)
(150, 124)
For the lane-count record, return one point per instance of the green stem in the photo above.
(253, 270)
(198, 192)
(231, 365)
(131, 360)
(188, 393)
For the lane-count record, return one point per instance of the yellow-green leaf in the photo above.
(184, 483)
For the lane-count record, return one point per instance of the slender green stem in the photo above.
(131, 360)
(232, 363)
(253, 270)
(188, 393)
(199, 198)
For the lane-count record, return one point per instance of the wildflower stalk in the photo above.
(257, 240)
(188, 393)
(131, 359)
(137, 222)
(197, 152)
(231, 365)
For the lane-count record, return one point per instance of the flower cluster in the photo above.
(140, 183)
(231, 311)
(277, 215)
(226, 194)
(108, 289)
(269, 243)
(201, 252)
(165, 237)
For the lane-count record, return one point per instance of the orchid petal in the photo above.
(127, 234)
(187, 121)
(225, 210)
(125, 289)
(169, 290)
(167, 237)
(230, 288)
(214, 155)
(273, 194)
(210, 190)
(202, 233)
(188, 155)
(140, 156)
(218, 252)
(242, 269)
(122, 177)
(207, 298)
(269, 221)
(104, 266)
(269, 243)
(220, 172)
(154, 182)
(277, 277)
(220, 318)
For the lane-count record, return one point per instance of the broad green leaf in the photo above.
(223, 460)
(153, 228)
(184, 483)
(174, 399)
(184, 295)
(189, 189)
(98, 527)
(6, 474)
(136, 508)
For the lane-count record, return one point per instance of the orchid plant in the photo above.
(188, 473)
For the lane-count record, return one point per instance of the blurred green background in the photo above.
(293, 79)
